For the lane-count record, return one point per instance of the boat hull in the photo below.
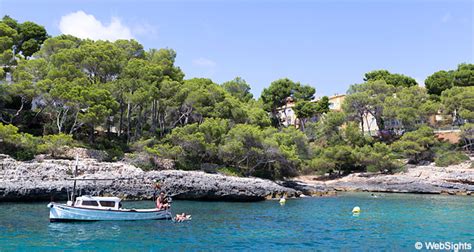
(64, 213)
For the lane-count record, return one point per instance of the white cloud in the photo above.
(145, 29)
(204, 62)
(446, 17)
(83, 25)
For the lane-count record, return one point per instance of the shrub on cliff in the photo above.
(338, 159)
(320, 165)
(21, 146)
(450, 158)
(193, 144)
(377, 158)
(52, 144)
(343, 159)
(266, 153)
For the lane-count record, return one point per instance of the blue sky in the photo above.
(326, 44)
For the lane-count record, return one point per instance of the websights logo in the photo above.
(450, 246)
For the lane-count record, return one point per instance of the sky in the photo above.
(326, 44)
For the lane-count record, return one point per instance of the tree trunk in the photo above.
(139, 123)
(368, 124)
(129, 124)
(302, 123)
(362, 123)
(121, 118)
(154, 116)
(91, 136)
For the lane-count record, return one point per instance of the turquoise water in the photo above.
(389, 222)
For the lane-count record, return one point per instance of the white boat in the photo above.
(89, 208)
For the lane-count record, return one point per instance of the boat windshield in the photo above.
(89, 203)
(107, 203)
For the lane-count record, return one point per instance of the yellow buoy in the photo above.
(282, 201)
(356, 209)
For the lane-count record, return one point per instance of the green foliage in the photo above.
(397, 80)
(52, 144)
(238, 88)
(31, 37)
(263, 153)
(377, 158)
(255, 114)
(326, 131)
(368, 99)
(438, 82)
(305, 110)
(117, 97)
(416, 145)
(247, 148)
(193, 144)
(352, 135)
(342, 156)
(26, 38)
(343, 159)
(21, 146)
(321, 165)
(459, 101)
(279, 91)
(450, 158)
(442, 80)
(51, 46)
(410, 106)
(464, 75)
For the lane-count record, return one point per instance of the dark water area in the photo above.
(388, 222)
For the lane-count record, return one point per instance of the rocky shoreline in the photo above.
(43, 179)
(427, 179)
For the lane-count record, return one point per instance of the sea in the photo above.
(387, 222)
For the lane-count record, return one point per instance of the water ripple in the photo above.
(390, 222)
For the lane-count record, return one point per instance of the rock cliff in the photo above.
(43, 179)
(455, 179)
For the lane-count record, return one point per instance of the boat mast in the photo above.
(73, 195)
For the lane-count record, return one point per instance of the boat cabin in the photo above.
(106, 203)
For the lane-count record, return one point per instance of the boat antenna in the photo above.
(73, 195)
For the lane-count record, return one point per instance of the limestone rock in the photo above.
(41, 180)
(455, 179)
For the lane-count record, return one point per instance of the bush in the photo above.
(450, 158)
(52, 144)
(377, 158)
(114, 154)
(21, 146)
(417, 145)
(339, 158)
(321, 165)
(23, 154)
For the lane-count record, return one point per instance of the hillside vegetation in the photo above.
(118, 97)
